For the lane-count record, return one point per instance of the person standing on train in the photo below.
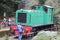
(19, 27)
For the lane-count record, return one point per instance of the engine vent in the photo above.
(22, 17)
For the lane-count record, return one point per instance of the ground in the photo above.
(11, 38)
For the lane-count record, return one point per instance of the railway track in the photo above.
(55, 28)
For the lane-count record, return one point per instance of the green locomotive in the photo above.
(41, 16)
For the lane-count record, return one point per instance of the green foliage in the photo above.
(42, 2)
(9, 6)
(47, 35)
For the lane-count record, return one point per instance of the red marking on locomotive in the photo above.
(26, 30)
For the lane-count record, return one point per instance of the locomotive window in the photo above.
(52, 9)
(45, 9)
(22, 17)
(33, 7)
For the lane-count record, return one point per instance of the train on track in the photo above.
(34, 19)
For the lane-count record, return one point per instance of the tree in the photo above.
(42, 2)
(9, 6)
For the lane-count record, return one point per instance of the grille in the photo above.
(22, 17)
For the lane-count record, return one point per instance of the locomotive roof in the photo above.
(49, 6)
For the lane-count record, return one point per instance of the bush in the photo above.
(47, 35)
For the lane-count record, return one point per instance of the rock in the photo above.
(47, 35)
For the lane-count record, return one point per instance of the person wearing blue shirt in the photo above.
(19, 27)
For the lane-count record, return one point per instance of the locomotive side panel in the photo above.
(41, 16)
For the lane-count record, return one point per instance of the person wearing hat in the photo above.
(19, 27)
